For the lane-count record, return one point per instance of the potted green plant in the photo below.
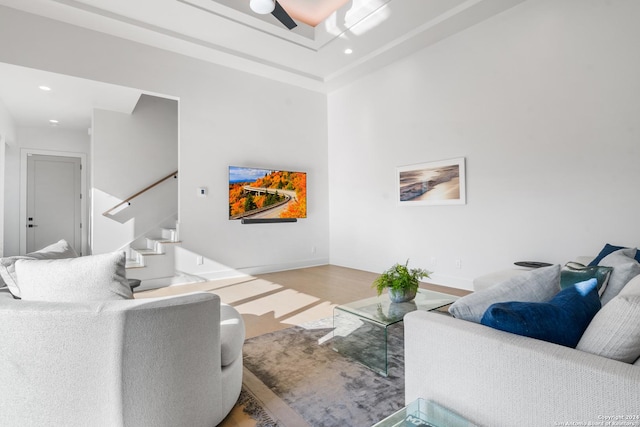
(401, 281)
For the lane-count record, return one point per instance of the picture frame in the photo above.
(433, 183)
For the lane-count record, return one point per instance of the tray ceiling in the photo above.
(227, 32)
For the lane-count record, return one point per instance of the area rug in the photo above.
(255, 409)
(324, 387)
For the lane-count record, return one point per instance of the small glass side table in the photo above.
(361, 327)
(423, 413)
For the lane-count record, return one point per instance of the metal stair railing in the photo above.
(127, 201)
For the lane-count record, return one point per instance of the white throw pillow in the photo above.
(60, 249)
(614, 333)
(625, 268)
(538, 285)
(631, 288)
(89, 278)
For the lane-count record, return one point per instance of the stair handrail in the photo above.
(127, 201)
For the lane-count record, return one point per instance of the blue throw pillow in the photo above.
(562, 320)
(608, 249)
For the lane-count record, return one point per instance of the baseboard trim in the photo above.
(228, 273)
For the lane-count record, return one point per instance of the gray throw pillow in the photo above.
(90, 278)
(614, 332)
(537, 285)
(625, 268)
(60, 249)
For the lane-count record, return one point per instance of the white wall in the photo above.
(131, 152)
(543, 100)
(45, 139)
(7, 137)
(226, 118)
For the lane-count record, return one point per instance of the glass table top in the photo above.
(425, 413)
(382, 311)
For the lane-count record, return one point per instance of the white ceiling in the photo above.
(227, 32)
(70, 101)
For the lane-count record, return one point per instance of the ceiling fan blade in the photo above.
(282, 16)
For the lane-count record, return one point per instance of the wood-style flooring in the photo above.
(274, 301)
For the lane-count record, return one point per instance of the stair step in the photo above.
(147, 251)
(143, 262)
(170, 234)
(162, 240)
(132, 263)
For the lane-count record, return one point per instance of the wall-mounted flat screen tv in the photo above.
(266, 193)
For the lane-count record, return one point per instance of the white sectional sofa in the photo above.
(171, 362)
(496, 378)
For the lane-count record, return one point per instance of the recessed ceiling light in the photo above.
(44, 88)
(54, 122)
(348, 51)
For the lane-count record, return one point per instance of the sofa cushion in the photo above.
(60, 249)
(625, 268)
(536, 285)
(574, 272)
(90, 278)
(562, 320)
(614, 332)
(232, 334)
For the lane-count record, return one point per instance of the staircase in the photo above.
(151, 259)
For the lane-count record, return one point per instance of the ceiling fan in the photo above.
(263, 7)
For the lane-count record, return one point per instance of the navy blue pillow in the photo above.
(562, 320)
(607, 250)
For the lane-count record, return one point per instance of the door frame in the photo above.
(84, 232)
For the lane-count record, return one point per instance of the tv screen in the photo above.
(266, 193)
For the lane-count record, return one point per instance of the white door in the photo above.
(53, 201)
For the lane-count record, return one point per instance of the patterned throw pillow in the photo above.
(574, 272)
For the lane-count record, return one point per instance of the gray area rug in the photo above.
(252, 407)
(326, 388)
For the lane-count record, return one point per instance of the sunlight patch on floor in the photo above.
(282, 303)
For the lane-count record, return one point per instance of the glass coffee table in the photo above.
(424, 413)
(361, 327)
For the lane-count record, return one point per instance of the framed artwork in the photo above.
(433, 183)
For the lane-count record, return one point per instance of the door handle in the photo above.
(31, 225)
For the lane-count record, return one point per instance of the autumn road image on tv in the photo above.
(264, 193)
